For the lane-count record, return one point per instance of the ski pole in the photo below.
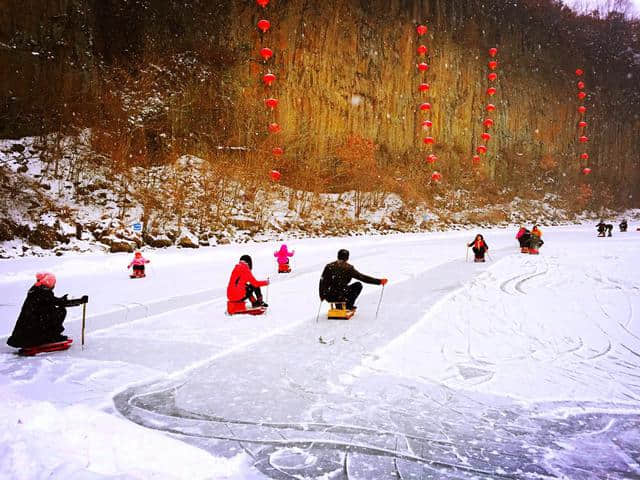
(489, 255)
(84, 315)
(379, 301)
(318, 315)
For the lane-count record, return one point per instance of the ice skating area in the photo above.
(521, 367)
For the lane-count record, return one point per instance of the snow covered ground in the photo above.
(523, 367)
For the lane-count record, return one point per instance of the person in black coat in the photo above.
(623, 225)
(40, 320)
(479, 247)
(334, 282)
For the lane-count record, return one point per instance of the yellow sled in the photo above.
(338, 311)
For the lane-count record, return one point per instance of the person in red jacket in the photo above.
(243, 285)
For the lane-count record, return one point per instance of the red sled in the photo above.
(46, 347)
(284, 268)
(533, 251)
(524, 250)
(240, 308)
(137, 275)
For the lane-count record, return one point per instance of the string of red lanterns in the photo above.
(490, 108)
(582, 124)
(268, 80)
(423, 88)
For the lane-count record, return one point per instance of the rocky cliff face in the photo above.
(349, 67)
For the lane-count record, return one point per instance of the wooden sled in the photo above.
(339, 311)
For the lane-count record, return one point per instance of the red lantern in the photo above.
(485, 136)
(582, 124)
(491, 107)
(491, 91)
(274, 128)
(423, 67)
(584, 139)
(436, 176)
(493, 65)
(428, 141)
(584, 156)
(493, 76)
(425, 107)
(580, 85)
(579, 72)
(427, 124)
(422, 29)
(586, 170)
(581, 95)
(582, 109)
(268, 79)
(488, 123)
(266, 53)
(431, 159)
(481, 149)
(422, 50)
(271, 103)
(264, 25)
(275, 175)
(493, 52)
(277, 151)
(476, 159)
(263, 3)
(423, 87)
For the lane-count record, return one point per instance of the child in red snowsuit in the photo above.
(479, 248)
(282, 256)
(138, 264)
(244, 286)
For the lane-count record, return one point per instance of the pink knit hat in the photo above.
(45, 279)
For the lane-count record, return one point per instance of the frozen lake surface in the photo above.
(522, 367)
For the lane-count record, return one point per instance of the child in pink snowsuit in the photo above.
(138, 263)
(283, 258)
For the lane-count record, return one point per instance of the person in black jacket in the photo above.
(623, 225)
(334, 282)
(42, 315)
(479, 247)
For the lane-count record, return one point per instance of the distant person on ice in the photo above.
(535, 242)
(40, 320)
(524, 237)
(243, 285)
(138, 264)
(623, 225)
(604, 227)
(283, 256)
(334, 282)
(479, 247)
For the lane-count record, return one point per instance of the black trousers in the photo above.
(253, 294)
(348, 295)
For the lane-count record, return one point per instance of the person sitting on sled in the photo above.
(623, 225)
(138, 264)
(524, 236)
(334, 282)
(604, 227)
(282, 256)
(480, 247)
(535, 242)
(243, 285)
(40, 320)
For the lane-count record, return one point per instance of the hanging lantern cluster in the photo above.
(422, 52)
(269, 80)
(582, 123)
(488, 122)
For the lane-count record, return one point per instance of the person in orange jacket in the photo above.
(244, 286)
